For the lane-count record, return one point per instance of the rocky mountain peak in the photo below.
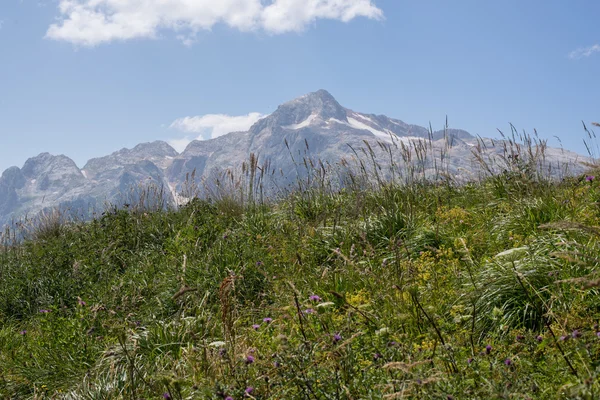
(46, 162)
(157, 148)
(319, 105)
(158, 152)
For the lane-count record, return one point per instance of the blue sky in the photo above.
(85, 81)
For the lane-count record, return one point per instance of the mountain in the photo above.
(311, 128)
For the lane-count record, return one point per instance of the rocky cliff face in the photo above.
(312, 127)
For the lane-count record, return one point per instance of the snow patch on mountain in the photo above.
(356, 124)
(302, 124)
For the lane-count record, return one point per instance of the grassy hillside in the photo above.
(433, 291)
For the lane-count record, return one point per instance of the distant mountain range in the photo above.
(314, 126)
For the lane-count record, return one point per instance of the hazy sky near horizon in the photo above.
(85, 78)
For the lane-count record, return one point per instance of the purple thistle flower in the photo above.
(268, 320)
(539, 338)
(470, 360)
(228, 398)
(255, 327)
(508, 362)
(598, 334)
(309, 311)
(590, 178)
(249, 359)
(249, 390)
(314, 297)
(337, 337)
(519, 338)
(44, 311)
(488, 349)
(576, 334)
(166, 395)
(564, 338)
(23, 332)
(377, 356)
(392, 344)
(259, 263)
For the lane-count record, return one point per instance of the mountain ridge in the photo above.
(314, 124)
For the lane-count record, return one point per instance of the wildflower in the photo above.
(255, 327)
(23, 332)
(259, 263)
(267, 320)
(377, 356)
(337, 337)
(519, 338)
(249, 390)
(166, 395)
(249, 359)
(222, 352)
(81, 302)
(598, 334)
(590, 178)
(488, 349)
(277, 364)
(392, 344)
(539, 338)
(44, 311)
(309, 311)
(575, 334)
(228, 398)
(470, 360)
(564, 338)
(314, 297)
(508, 362)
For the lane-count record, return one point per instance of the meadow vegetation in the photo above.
(417, 288)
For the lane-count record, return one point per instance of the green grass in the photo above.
(413, 282)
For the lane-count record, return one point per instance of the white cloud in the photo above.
(584, 52)
(210, 126)
(91, 22)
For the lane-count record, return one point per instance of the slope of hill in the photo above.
(482, 290)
